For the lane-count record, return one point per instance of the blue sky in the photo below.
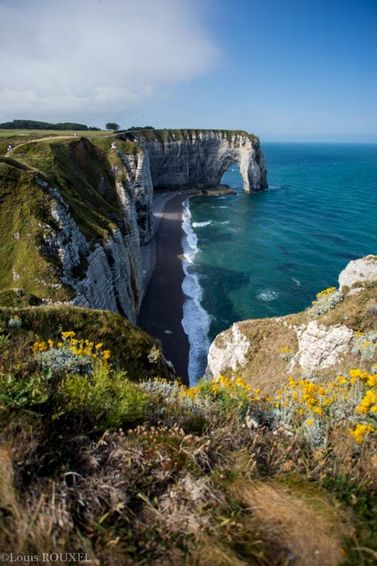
(284, 69)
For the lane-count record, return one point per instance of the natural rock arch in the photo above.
(184, 159)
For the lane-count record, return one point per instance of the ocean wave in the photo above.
(225, 222)
(267, 295)
(196, 321)
(201, 224)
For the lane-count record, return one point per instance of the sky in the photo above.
(286, 70)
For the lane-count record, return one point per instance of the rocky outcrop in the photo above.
(321, 347)
(229, 353)
(107, 275)
(359, 272)
(342, 332)
(182, 159)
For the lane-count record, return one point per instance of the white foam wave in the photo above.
(196, 321)
(267, 295)
(201, 224)
(296, 282)
(225, 222)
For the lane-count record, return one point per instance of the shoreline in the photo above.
(161, 311)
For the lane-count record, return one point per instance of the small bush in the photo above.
(108, 397)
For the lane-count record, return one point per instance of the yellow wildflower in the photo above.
(360, 432)
(68, 334)
(369, 399)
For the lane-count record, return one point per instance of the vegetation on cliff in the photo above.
(24, 209)
(84, 174)
(135, 469)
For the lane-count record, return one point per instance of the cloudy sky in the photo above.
(286, 69)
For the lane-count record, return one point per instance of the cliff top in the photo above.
(169, 134)
(337, 331)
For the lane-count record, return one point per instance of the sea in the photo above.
(268, 254)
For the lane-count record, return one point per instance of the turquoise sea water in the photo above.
(269, 253)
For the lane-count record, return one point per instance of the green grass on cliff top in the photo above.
(24, 209)
(83, 174)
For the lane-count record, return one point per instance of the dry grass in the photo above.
(265, 367)
(296, 529)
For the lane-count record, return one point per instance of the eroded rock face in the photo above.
(200, 158)
(361, 270)
(109, 275)
(228, 351)
(321, 347)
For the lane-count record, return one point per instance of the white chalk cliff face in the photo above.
(199, 158)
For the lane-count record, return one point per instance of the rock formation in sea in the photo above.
(98, 208)
(199, 158)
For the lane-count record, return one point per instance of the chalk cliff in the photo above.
(183, 159)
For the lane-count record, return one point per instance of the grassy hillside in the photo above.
(156, 473)
(24, 210)
(134, 469)
(130, 346)
(82, 172)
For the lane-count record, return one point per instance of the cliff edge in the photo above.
(338, 331)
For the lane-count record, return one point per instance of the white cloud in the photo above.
(70, 59)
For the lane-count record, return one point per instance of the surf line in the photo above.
(196, 320)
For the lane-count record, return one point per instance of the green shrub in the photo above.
(109, 397)
(25, 393)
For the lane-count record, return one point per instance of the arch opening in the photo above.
(233, 178)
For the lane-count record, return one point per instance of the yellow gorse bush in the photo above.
(78, 346)
(323, 295)
(340, 395)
